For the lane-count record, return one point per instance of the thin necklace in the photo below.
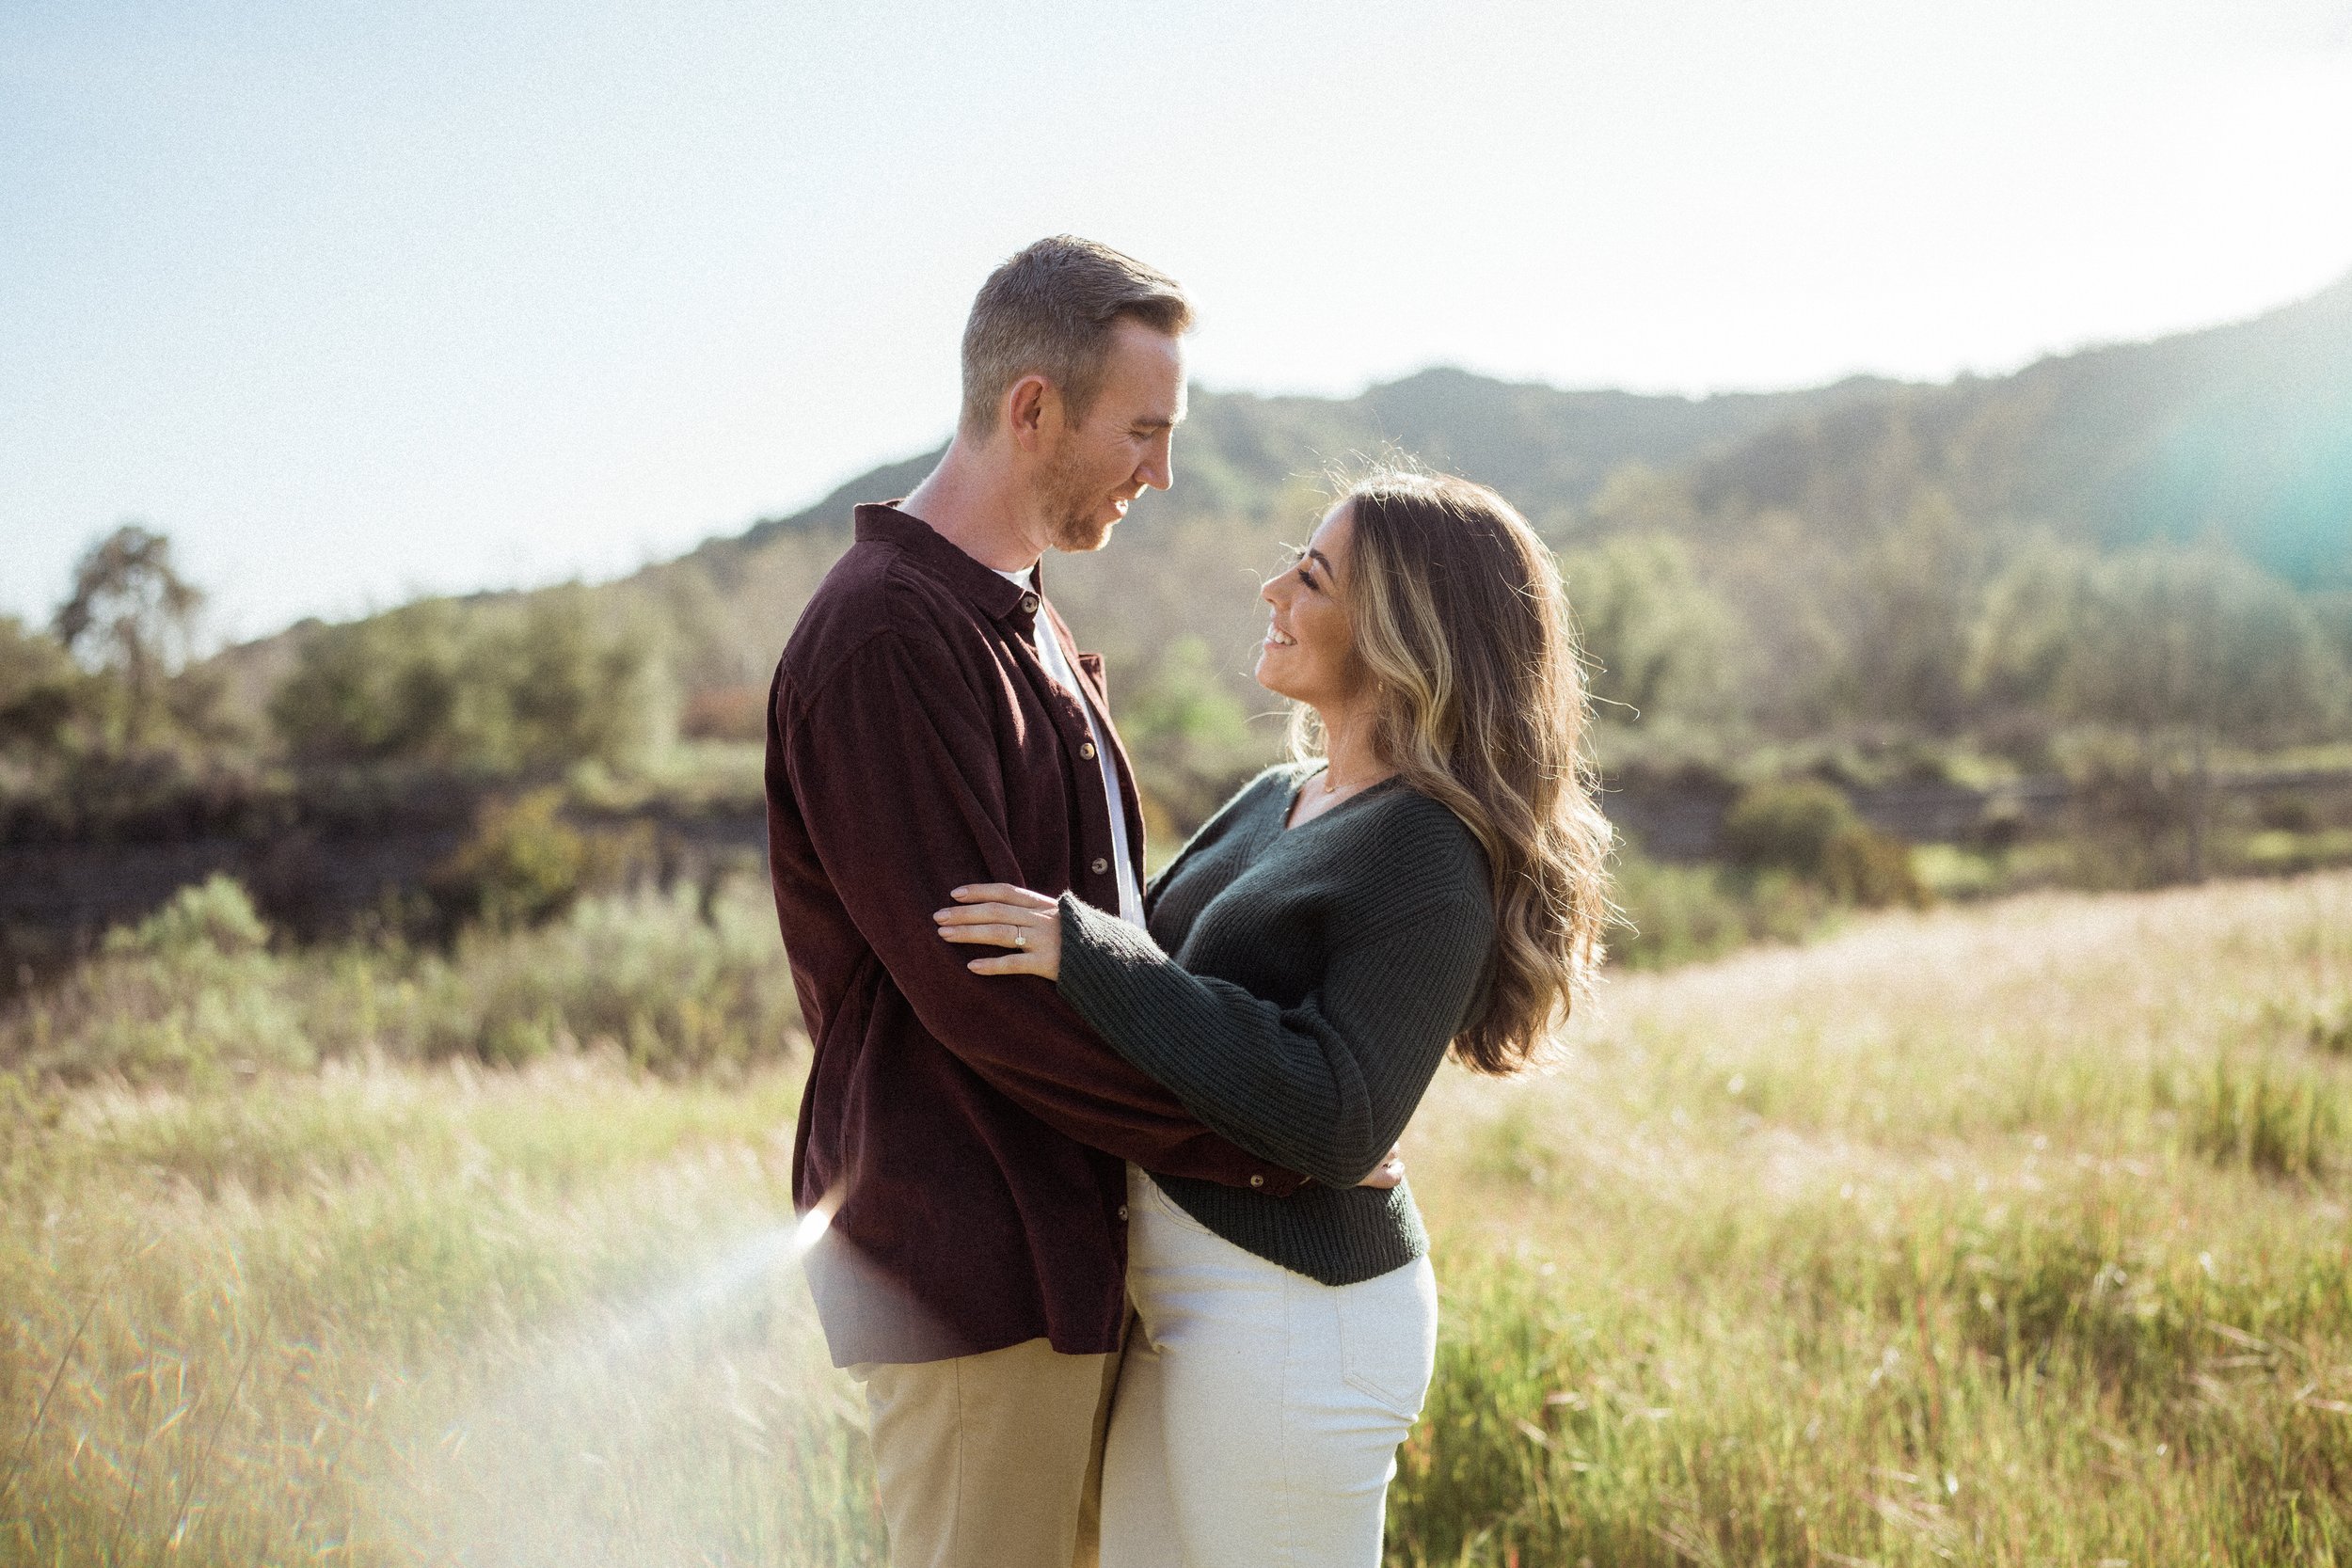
(1329, 791)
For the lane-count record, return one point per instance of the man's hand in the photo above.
(997, 914)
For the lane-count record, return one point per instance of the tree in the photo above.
(1656, 636)
(494, 687)
(2191, 647)
(132, 616)
(1910, 602)
(574, 689)
(374, 690)
(2027, 620)
(40, 688)
(1188, 737)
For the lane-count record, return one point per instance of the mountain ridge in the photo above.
(2239, 434)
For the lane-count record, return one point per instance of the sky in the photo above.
(357, 302)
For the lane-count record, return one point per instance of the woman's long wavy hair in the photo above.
(1458, 611)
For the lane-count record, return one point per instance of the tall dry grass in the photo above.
(2013, 1235)
(384, 1316)
(2007, 1235)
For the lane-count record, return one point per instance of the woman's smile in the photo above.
(1308, 652)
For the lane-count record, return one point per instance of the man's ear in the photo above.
(1032, 404)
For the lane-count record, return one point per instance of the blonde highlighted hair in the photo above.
(1458, 611)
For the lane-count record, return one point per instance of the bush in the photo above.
(1864, 867)
(1677, 915)
(650, 977)
(674, 986)
(42, 689)
(498, 689)
(214, 915)
(182, 995)
(1788, 826)
(523, 867)
(1809, 830)
(1187, 738)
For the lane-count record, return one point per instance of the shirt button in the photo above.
(1086, 748)
(1100, 865)
(1256, 1180)
(1028, 604)
(1122, 1211)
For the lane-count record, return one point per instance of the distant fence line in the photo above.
(315, 880)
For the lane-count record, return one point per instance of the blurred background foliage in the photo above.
(2084, 575)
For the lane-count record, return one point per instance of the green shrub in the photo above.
(186, 994)
(672, 986)
(42, 689)
(1188, 736)
(1788, 826)
(523, 865)
(499, 688)
(1864, 867)
(1674, 914)
(215, 914)
(650, 977)
(1810, 830)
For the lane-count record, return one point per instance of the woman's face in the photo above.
(1309, 649)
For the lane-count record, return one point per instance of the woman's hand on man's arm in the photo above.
(1028, 926)
(997, 914)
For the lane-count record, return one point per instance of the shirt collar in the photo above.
(997, 595)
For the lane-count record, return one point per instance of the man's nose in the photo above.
(1159, 465)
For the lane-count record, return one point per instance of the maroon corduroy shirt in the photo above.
(971, 1128)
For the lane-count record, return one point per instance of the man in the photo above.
(931, 725)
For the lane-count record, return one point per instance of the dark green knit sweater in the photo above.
(1297, 991)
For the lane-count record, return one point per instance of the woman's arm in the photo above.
(1323, 1087)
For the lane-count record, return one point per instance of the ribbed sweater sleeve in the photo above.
(1327, 1085)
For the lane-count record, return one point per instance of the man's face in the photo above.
(1121, 447)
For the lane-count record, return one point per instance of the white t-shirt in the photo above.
(1051, 653)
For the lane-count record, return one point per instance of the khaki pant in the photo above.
(991, 1461)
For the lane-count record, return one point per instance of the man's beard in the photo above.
(1071, 508)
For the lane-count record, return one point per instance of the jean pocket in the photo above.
(1389, 1337)
(1172, 1212)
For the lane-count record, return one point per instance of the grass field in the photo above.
(2013, 1234)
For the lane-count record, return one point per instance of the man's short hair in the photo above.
(1051, 311)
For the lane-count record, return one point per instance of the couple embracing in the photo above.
(1119, 1246)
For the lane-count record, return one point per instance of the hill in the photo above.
(2240, 434)
(1851, 559)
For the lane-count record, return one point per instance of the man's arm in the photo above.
(896, 777)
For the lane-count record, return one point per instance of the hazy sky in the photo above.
(357, 301)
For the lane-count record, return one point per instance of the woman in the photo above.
(1432, 878)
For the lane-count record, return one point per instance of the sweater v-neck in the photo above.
(1282, 823)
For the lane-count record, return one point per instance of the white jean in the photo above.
(1258, 1412)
